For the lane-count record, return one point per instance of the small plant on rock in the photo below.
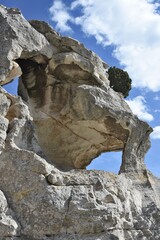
(119, 80)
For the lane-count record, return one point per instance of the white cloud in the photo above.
(156, 133)
(60, 15)
(139, 108)
(133, 26)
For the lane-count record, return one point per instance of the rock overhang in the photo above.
(67, 90)
(66, 98)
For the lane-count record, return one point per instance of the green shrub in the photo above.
(119, 80)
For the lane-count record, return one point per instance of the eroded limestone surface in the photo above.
(66, 117)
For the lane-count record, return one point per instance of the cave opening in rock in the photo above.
(108, 161)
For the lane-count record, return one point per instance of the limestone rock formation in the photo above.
(66, 116)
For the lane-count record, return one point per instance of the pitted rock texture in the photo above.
(67, 116)
(8, 226)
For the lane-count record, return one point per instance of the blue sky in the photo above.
(125, 34)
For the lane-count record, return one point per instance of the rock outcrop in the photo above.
(66, 116)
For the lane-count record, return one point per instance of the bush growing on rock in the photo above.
(119, 80)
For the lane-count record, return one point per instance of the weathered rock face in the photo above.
(15, 43)
(68, 116)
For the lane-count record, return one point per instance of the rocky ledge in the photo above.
(66, 114)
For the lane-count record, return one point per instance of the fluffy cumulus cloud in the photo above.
(132, 26)
(156, 133)
(60, 15)
(139, 108)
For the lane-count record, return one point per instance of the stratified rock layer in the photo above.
(68, 116)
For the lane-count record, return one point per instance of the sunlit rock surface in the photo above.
(67, 116)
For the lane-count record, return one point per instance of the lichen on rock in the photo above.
(66, 114)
